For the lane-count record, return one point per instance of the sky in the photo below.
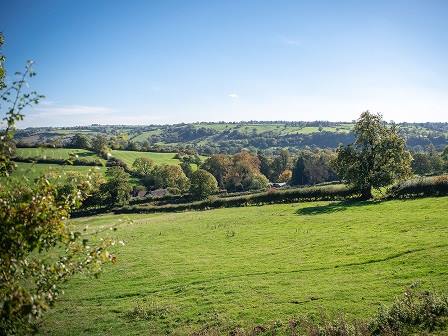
(156, 62)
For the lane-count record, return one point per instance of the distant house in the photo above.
(277, 184)
(159, 192)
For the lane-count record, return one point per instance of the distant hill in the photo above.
(230, 137)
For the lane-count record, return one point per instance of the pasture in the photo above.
(181, 272)
(30, 171)
(55, 153)
(159, 158)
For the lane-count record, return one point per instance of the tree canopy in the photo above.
(377, 158)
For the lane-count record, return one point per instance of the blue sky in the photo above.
(142, 62)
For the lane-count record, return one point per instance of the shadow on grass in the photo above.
(333, 207)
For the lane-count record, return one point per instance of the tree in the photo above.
(171, 176)
(117, 189)
(100, 145)
(13, 99)
(203, 184)
(298, 173)
(256, 182)
(280, 164)
(376, 159)
(33, 227)
(218, 165)
(80, 141)
(187, 169)
(265, 165)
(285, 176)
(143, 166)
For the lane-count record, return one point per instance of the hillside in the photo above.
(181, 272)
(209, 138)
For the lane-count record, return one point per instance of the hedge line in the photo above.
(327, 193)
(421, 187)
(76, 162)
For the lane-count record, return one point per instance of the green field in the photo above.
(32, 170)
(247, 266)
(159, 158)
(55, 153)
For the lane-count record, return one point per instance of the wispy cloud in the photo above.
(49, 109)
(290, 41)
(233, 96)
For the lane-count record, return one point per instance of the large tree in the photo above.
(377, 158)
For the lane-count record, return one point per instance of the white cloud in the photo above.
(233, 95)
(49, 109)
(290, 41)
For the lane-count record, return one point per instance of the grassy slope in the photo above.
(31, 171)
(55, 153)
(257, 264)
(159, 158)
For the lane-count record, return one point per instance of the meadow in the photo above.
(55, 153)
(159, 158)
(181, 272)
(30, 171)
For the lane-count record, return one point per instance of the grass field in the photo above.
(55, 153)
(32, 170)
(159, 158)
(234, 267)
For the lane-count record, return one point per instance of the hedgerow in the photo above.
(327, 193)
(420, 187)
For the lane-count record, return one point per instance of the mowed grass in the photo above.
(159, 158)
(55, 153)
(247, 266)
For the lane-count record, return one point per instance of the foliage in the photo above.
(187, 169)
(203, 184)
(117, 189)
(427, 162)
(377, 158)
(2, 69)
(285, 176)
(279, 165)
(313, 167)
(218, 165)
(80, 141)
(38, 249)
(13, 99)
(100, 145)
(422, 186)
(171, 176)
(143, 166)
(333, 192)
(33, 225)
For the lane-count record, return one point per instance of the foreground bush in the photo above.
(419, 187)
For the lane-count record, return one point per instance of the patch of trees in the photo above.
(314, 167)
(239, 172)
(429, 162)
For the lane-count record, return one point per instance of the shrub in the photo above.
(419, 187)
(333, 192)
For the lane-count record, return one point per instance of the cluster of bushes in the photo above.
(430, 161)
(421, 186)
(334, 192)
(75, 162)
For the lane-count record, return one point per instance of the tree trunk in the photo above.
(366, 193)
